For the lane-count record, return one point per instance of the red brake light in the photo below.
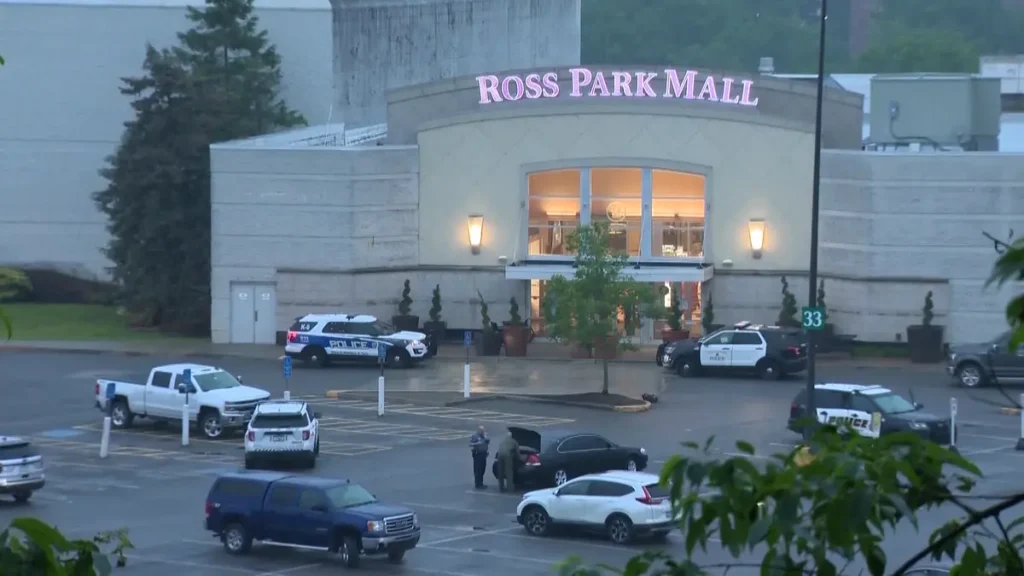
(251, 436)
(794, 406)
(533, 460)
(97, 392)
(648, 500)
(305, 434)
(293, 336)
(209, 507)
(794, 349)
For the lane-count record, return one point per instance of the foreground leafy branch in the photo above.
(828, 514)
(30, 546)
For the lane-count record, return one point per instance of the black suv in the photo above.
(769, 351)
(976, 365)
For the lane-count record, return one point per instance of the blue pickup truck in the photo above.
(308, 512)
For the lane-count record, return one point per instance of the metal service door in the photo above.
(265, 314)
(243, 313)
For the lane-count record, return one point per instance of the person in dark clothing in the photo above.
(479, 444)
(508, 455)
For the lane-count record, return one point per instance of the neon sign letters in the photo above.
(588, 83)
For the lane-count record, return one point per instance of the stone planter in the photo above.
(516, 337)
(925, 343)
(488, 343)
(668, 335)
(406, 322)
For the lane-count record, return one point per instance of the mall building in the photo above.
(704, 178)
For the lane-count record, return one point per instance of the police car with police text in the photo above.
(319, 339)
(870, 411)
(769, 351)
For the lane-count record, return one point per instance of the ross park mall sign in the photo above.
(587, 83)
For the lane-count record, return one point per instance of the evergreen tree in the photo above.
(158, 199)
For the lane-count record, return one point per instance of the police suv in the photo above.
(870, 411)
(319, 339)
(770, 351)
(281, 431)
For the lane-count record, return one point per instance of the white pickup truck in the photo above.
(217, 400)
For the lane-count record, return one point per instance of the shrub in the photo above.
(54, 287)
(14, 286)
(707, 315)
(405, 304)
(675, 312)
(513, 312)
(485, 317)
(821, 302)
(435, 304)
(787, 315)
(926, 313)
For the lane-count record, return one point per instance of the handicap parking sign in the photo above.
(468, 338)
(382, 350)
(287, 367)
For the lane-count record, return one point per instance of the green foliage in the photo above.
(14, 286)
(220, 84)
(405, 304)
(513, 312)
(897, 49)
(1009, 267)
(30, 546)
(816, 515)
(675, 312)
(435, 304)
(6, 322)
(820, 299)
(926, 311)
(485, 317)
(584, 310)
(787, 315)
(707, 315)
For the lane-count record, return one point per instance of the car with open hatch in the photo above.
(282, 432)
(868, 410)
(771, 352)
(332, 514)
(622, 505)
(217, 400)
(978, 365)
(21, 468)
(320, 339)
(553, 457)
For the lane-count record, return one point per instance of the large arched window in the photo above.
(554, 210)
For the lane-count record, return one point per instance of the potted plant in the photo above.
(404, 320)
(675, 330)
(925, 339)
(516, 333)
(787, 315)
(489, 343)
(436, 328)
(707, 317)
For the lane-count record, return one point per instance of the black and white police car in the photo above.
(319, 339)
(870, 411)
(770, 351)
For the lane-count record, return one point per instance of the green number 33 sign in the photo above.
(813, 317)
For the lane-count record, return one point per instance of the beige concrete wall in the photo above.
(307, 209)
(477, 167)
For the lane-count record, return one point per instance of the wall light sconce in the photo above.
(755, 227)
(475, 225)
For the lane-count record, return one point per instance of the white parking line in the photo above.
(475, 534)
(183, 563)
(986, 451)
(504, 495)
(446, 412)
(290, 570)
(467, 551)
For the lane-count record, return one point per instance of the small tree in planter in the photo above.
(489, 343)
(436, 328)
(787, 316)
(516, 333)
(675, 329)
(925, 339)
(707, 316)
(584, 310)
(828, 332)
(404, 320)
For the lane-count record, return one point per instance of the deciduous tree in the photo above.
(585, 310)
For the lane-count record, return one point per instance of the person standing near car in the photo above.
(479, 444)
(508, 455)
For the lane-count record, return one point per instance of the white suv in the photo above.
(282, 430)
(623, 505)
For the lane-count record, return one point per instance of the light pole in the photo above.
(812, 280)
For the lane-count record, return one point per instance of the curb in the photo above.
(537, 399)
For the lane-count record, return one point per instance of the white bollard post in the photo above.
(380, 395)
(184, 424)
(465, 381)
(287, 395)
(952, 423)
(105, 438)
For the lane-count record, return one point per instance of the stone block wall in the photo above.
(325, 209)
